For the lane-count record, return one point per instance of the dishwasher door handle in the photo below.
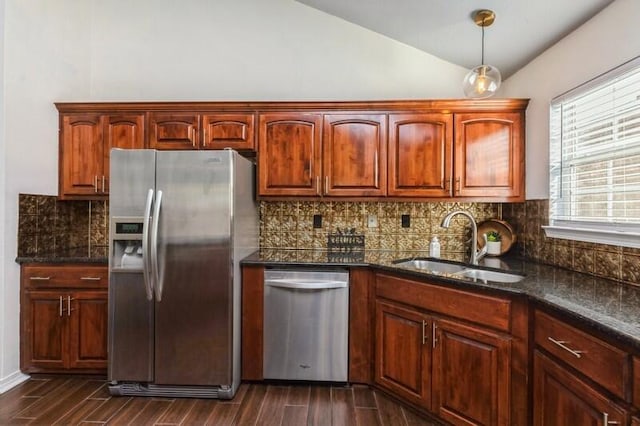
(306, 284)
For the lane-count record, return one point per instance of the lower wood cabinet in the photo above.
(64, 319)
(429, 356)
(561, 398)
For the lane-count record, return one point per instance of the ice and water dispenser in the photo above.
(126, 235)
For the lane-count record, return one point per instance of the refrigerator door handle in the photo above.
(146, 255)
(154, 246)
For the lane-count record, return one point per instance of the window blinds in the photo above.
(595, 151)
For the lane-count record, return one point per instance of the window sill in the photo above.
(598, 236)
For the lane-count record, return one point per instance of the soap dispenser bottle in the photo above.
(434, 247)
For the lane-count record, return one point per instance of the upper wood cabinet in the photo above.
(228, 131)
(354, 155)
(420, 155)
(489, 155)
(289, 154)
(85, 145)
(187, 130)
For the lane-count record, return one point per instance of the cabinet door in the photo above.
(489, 155)
(403, 352)
(289, 154)
(420, 155)
(355, 155)
(45, 327)
(87, 329)
(173, 130)
(81, 154)
(124, 131)
(228, 131)
(560, 398)
(471, 374)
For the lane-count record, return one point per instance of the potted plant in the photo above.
(494, 242)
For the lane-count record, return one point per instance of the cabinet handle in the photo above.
(39, 278)
(326, 185)
(318, 189)
(60, 305)
(194, 137)
(458, 185)
(95, 183)
(103, 181)
(434, 339)
(562, 344)
(375, 170)
(90, 278)
(69, 306)
(424, 332)
(606, 421)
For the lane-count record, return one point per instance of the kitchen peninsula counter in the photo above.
(608, 306)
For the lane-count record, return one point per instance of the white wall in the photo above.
(80, 50)
(604, 42)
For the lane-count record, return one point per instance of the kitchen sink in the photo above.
(462, 271)
(432, 265)
(481, 274)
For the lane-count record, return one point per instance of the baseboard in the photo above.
(11, 381)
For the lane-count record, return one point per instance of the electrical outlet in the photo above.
(406, 220)
(372, 221)
(317, 221)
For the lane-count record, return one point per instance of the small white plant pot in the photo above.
(493, 247)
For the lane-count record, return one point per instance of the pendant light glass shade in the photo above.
(484, 80)
(481, 82)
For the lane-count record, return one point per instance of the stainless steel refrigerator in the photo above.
(180, 223)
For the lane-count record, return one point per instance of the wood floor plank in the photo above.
(298, 395)
(223, 414)
(108, 409)
(151, 412)
(177, 411)
(390, 412)
(10, 408)
(102, 393)
(251, 405)
(79, 413)
(129, 412)
(239, 396)
(48, 386)
(26, 388)
(367, 416)
(51, 399)
(342, 407)
(67, 403)
(414, 419)
(363, 397)
(200, 412)
(320, 406)
(273, 406)
(295, 415)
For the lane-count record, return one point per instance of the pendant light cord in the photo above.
(482, 60)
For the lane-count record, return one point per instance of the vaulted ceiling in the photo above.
(522, 30)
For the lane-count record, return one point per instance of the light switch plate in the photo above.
(372, 221)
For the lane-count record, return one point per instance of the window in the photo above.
(595, 160)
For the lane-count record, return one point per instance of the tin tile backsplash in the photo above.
(48, 227)
(602, 260)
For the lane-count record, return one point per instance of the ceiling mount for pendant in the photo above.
(484, 80)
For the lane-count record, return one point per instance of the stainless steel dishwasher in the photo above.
(306, 322)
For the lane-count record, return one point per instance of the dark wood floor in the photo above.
(70, 401)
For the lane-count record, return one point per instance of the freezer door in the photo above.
(131, 326)
(193, 333)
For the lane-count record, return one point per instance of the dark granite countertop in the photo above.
(609, 306)
(71, 255)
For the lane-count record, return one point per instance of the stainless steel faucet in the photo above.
(475, 254)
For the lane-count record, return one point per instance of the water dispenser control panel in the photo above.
(126, 243)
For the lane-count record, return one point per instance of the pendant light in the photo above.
(484, 80)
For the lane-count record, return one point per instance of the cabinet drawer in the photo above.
(491, 311)
(596, 359)
(84, 276)
(636, 382)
